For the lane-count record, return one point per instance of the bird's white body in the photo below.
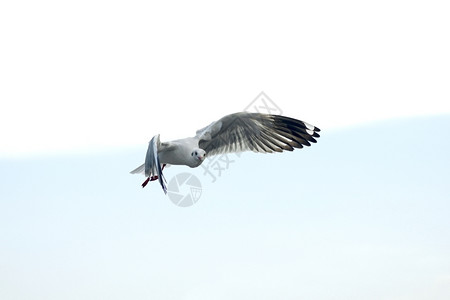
(179, 153)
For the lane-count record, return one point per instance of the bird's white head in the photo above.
(198, 155)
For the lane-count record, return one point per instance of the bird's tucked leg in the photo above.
(152, 178)
(145, 182)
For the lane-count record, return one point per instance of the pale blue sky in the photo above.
(361, 214)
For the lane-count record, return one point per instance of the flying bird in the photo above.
(236, 132)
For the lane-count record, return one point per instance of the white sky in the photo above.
(84, 75)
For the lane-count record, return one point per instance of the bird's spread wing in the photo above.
(152, 165)
(257, 132)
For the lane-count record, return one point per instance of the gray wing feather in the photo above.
(256, 132)
(152, 165)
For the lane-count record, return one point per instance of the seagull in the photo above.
(238, 132)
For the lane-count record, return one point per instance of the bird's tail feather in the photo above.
(139, 170)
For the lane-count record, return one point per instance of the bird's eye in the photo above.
(192, 154)
(195, 152)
